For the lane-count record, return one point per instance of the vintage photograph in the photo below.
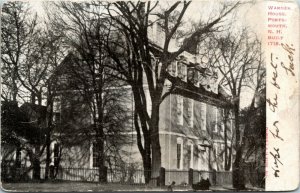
(132, 96)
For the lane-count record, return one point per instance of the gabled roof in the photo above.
(63, 66)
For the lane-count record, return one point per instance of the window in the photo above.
(216, 119)
(190, 154)
(191, 75)
(196, 150)
(216, 150)
(182, 71)
(198, 79)
(191, 113)
(95, 155)
(222, 149)
(56, 154)
(56, 109)
(180, 109)
(202, 78)
(222, 127)
(203, 115)
(179, 153)
(178, 156)
(173, 68)
(202, 157)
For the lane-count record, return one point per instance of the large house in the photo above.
(192, 126)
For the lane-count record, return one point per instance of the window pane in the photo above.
(178, 155)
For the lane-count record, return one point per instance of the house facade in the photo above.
(191, 126)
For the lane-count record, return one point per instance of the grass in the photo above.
(75, 187)
(63, 186)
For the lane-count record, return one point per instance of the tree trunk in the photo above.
(48, 139)
(225, 139)
(147, 159)
(238, 181)
(155, 143)
(100, 143)
(102, 168)
(48, 156)
(140, 117)
(14, 84)
(227, 154)
(36, 163)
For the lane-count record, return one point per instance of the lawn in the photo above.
(76, 187)
(90, 187)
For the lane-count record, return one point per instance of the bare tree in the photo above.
(237, 56)
(85, 34)
(17, 31)
(24, 57)
(29, 55)
(133, 19)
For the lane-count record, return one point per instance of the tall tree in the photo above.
(133, 18)
(84, 33)
(19, 29)
(28, 52)
(237, 57)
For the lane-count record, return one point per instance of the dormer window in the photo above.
(182, 71)
(172, 68)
